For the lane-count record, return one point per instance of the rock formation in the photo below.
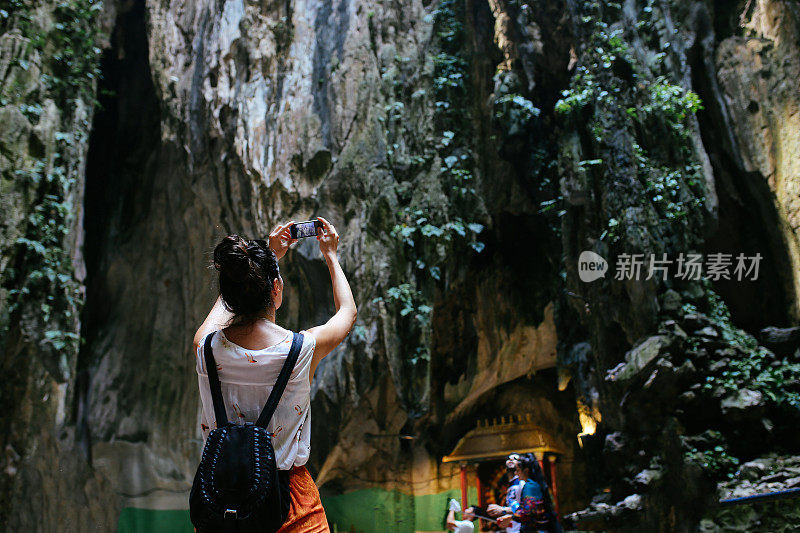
(468, 152)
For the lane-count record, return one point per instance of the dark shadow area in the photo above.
(726, 16)
(749, 223)
(123, 146)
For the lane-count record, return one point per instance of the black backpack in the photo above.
(238, 487)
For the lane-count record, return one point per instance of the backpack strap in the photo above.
(213, 382)
(280, 384)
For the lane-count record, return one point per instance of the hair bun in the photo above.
(232, 260)
(247, 272)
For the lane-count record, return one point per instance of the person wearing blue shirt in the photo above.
(512, 494)
(530, 512)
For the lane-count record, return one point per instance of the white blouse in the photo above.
(246, 378)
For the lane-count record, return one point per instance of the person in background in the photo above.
(512, 494)
(531, 513)
(464, 525)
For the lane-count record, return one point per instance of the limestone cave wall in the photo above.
(468, 152)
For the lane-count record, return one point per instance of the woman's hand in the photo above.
(505, 521)
(281, 238)
(328, 239)
(495, 510)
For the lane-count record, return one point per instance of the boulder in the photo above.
(716, 366)
(687, 369)
(638, 359)
(707, 331)
(754, 470)
(632, 502)
(647, 477)
(687, 397)
(783, 342)
(742, 401)
(693, 321)
(614, 443)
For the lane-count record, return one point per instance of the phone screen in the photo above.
(304, 229)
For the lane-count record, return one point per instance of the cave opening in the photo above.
(123, 147)
(748, 219)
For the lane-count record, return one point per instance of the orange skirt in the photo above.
(306, 514)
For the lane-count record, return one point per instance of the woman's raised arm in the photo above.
(217, 318)
(335, 330)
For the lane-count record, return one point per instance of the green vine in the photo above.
(609, 75)
(430, 229)
(710, 452)
(42, 282)
(432, 236)
(755, 367)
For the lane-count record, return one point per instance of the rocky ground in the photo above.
(769, 474)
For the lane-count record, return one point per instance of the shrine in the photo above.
(483, 450)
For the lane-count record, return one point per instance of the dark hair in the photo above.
(526, 463)
(247, 271)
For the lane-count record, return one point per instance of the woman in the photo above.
(512, 493)
(249, 349)
(531, 511)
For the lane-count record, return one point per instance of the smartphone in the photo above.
(480, 512)
(300, 230)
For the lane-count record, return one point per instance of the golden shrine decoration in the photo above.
(495, 439)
